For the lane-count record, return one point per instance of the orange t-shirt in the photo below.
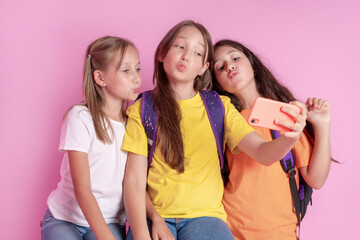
(257, 198)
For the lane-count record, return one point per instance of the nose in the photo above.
(186, 56)
(230, 67)
(137, 78)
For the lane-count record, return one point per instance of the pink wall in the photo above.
(313, 47)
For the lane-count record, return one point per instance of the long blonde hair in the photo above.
(99, 55)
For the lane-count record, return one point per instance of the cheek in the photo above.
(222, 79)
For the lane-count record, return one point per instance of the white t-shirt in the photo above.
(107, 167)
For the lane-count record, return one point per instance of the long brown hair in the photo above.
(99, 55)
(266, 84)
(168, 111)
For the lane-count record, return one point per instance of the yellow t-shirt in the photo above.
(198, 191)
(257, 198)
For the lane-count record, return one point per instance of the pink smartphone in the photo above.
(265, 111)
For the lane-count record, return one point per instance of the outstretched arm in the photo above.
(316, 173)
(80, 174)
(268, 153)
(135, 195)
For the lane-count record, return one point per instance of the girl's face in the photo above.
(185, 58)
(123, 83)
(232, 69)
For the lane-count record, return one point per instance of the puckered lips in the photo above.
(233, 74)
(181, 67)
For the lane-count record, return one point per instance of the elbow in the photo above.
(318, 185)
(82, 192)
(265, 161)
(268, 163)
(132, 185)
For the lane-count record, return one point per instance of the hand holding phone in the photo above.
(265, 111)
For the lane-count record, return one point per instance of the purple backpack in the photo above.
(302, 196)
(215, 111)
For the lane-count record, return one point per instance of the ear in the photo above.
(160, 59)
(203, 69)
(98, 77)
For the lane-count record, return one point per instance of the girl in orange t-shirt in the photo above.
(257, 198)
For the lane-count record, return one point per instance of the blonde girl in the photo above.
(184, 182)
(88, 201)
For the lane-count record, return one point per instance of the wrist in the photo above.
(157, 218)
(321, 127)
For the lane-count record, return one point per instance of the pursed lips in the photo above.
(232, 74)
(181, 67)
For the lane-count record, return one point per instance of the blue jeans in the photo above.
(54, 229)
(202, 228)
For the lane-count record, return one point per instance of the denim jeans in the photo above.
(202, 228)
(54, 229)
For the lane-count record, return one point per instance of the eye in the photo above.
(138, 70)
(179, 46)
(126, 70)
(220, 68)
(198, 54)
(236, 58)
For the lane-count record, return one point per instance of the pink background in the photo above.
(312, 46)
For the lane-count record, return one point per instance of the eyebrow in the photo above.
(200, 43)
(125, 63)
(229, 52)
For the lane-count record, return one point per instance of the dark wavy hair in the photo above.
(266, 84)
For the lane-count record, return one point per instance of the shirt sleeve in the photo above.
(235, 125)
(135, 139)
(302, 151)
(76, 130)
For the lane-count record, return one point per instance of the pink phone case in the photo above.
(264, 112)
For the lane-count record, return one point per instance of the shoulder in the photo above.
(213, 95)
(78, 113)
(225, 99)
(134, 110)
(136, 106)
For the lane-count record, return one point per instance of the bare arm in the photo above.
(268, 153)
(80, 174)
(160, 230)
(134, 195)
(316, 173)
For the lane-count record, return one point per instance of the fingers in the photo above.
(294, 114)
(162, 233)
(295, 129)
(317, 103)
(155, 237)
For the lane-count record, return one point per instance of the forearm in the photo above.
(135, 209)
(273, 151)
(266, 153)
(317, 171)
(92, 213)
(135, 195)
(80, 175)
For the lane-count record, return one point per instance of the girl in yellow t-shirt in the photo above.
(257, 198)
(181, 192)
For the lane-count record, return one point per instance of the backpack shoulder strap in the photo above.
(149, 120)
(216, 112)
(288, 165)
(214, 109)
